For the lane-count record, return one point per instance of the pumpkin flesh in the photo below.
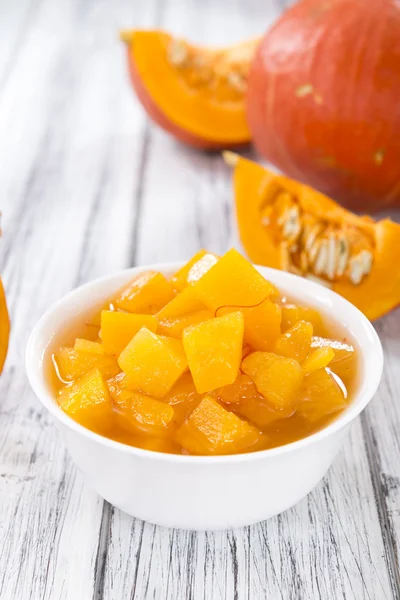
(373, 284)
(196, 94)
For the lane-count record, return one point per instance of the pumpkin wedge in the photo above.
(4, 327)
(290, 226)
(195, 94)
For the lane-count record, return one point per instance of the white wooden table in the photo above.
(89, 186)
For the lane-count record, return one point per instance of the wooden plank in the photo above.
(69, 151)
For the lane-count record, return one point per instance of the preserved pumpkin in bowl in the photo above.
(224, 364)
(173, 432)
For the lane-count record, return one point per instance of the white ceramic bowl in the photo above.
(201, 492)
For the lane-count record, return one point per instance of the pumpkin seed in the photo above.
(331, 261)
(321, 262)
(177, 52)
(237, 81)
(342, 256)
(312, 236)
(291, 224)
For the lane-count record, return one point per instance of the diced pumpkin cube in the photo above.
(157, 444)
(118, 386)
(211, 429)
(319, 358)
(82, 345)
(343, 362)
(262, 324)
(296, 342)
(147, 293)
(152, 362)
(193, 270)
(72, 364)
(240, 390)
(214, 351)
(88, 401)
(277, 378)
(145, 413)
(118, 328)
(320, 396)
(244, 399)
(183, 397)
(185, 303)
(175, 327)
(233, 281)
(293, 313)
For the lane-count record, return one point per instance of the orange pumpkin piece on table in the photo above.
(214, 351)
(319, 358)
(195, 94)
(88, 401)
(72, 364)
(4, 327)
(233, 282)
(145, 413)
(118, 328)
(147, 293)
(211, 429)
(153, 363)
(193, 270)
(277, 378)
(184, 310)
(320, 396)
(287, 225)
(296, 342)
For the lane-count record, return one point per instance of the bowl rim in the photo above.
(362, 397)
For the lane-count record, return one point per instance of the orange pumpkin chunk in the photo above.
(277, 378)
(318, 359)
(118, 386)
(88, 346)
(184, 310)
(321, 396)
(118, 328)
(147, 293)
(183, 397)
(88, 401)
(296, 342)
(233, 281)
(175, 327)
(214, 351)
(243, 397)
(152, 362)
(145, 413)
(211, 429)
(262, 324)
(193, 270)
(343, 362)
(293, 313)
(72, 364)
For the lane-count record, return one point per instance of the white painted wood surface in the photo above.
(88, 186)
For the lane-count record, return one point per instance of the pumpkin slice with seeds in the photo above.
(196, 94)
(290, 226)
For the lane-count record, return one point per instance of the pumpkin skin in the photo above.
(378, 292)
(181, 105)
(323, 99)
(4, 327)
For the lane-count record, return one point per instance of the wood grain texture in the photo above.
(88, 186)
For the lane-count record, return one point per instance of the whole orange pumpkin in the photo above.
(324, 99)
